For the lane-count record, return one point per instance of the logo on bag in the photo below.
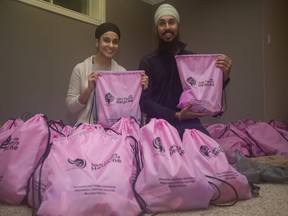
(115, 158)
(120, 100)
(10, 144)
(176, 149)
(125, 100)
(109, 97)
(80, 163)
(191, 81)
(157, 143)
(216, 151)
(206, 152)
(206, 83)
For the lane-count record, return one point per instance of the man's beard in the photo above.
(171, 47)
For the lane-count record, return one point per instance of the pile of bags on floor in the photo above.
(252, 139)
(254, 147)
(124, 170)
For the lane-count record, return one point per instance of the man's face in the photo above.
(167, 28)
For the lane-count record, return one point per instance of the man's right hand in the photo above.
(186, 113)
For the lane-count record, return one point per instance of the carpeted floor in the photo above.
(273, 200)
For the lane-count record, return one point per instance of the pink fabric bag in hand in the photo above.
(118, 95)
(208, 156)
(90, 173)
(20, 151)
(202, 83)
(169, 181)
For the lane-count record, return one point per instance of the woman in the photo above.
(82, 82)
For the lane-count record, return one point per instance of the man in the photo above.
(161, 98)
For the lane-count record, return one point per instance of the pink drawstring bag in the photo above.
(242, 125)
(67, 130)
(281, 127)
(205, 153)
(90, 173)
(56, 127)
(38, 180)
(268, 139)
(239, 133)
(20, 151)
(118, 95)
(128, 126)
(168, 181)
(11, 124)
(229, 141)
(36, 189)
(84, 127)
(231, 145)
(202, 83)
(216, 130)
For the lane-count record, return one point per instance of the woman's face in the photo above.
(108, 44)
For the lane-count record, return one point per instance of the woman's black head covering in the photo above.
(105, 27)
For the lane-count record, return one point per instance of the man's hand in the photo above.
(186, 113)
(225, 63)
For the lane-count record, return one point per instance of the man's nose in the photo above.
(167, 26)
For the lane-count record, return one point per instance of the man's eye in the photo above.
(161, 23)
(171, 22)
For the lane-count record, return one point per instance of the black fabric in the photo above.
(260, 173)
(105, 27)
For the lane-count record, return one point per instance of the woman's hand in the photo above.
(144, 81)
(225, 63)
(84, 97)
(92, 79)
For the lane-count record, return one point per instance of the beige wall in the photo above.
(39, 50)
(135, 22)
(275, 64)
